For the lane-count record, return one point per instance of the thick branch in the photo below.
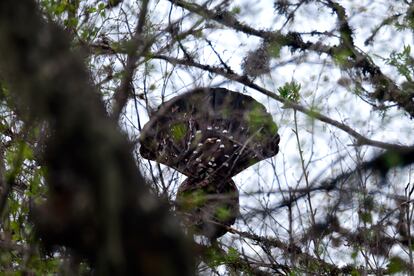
(98, 204)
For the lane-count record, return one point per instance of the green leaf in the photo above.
(369, 203)
(290, 91)
(233, 255)
(235, 10)
(59, 9)
(91, 9)
(354, 254)
(355, 272)
(366, 217)
(396, 265)
(71, 22)
(403, 62)
(101, 6)
(214, 258)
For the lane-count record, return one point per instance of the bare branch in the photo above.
(385, 87)
(360, 139)
(123, 92)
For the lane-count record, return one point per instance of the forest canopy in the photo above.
(79, 79)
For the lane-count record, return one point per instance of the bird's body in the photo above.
(210, 135)
(210, 132)
(207, 207)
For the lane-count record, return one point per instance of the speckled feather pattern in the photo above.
(210, 135)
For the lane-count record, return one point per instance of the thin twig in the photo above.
(360, 139)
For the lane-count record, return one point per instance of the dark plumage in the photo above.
(231, 130)
(210, 135)
(207, 207)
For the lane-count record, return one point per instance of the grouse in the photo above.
(209, 135)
